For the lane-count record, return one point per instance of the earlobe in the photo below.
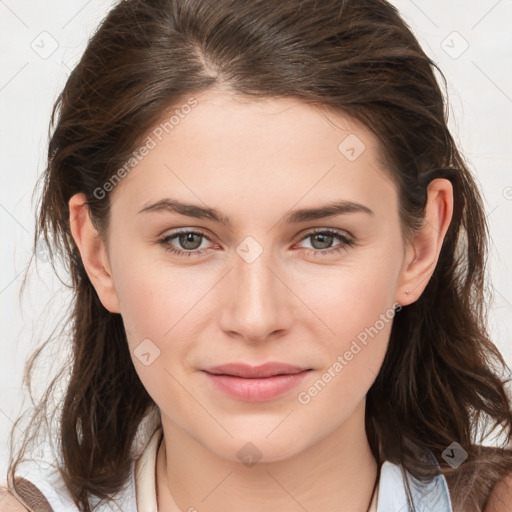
(423, 252)
(93, 252)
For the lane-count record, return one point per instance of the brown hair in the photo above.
(441, 379)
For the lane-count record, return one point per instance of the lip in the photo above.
(256, 383)
(252, 372)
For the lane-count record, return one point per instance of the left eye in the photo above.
(322, 240)
(190, 241)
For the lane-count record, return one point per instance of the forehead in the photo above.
(231, 152)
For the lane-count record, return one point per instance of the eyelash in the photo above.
(344, 246)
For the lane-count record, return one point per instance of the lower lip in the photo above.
(256, 390)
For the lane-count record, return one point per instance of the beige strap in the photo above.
(30, 496)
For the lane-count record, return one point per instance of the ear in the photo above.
(423, 252)
(93, 252)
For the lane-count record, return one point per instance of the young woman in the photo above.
(277, 255)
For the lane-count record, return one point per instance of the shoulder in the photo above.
(500, 499)
(8, 502)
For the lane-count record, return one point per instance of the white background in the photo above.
(480, 92)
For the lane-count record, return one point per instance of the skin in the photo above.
(254, 161)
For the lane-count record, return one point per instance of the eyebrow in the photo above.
(294, 217)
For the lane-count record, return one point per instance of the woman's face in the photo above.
(256, 285)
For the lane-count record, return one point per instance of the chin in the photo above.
(260, 447)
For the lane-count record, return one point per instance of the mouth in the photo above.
(255, 383)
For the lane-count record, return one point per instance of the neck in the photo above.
(337, 473)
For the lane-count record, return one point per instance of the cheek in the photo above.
(153, 295)
(160, 306)
(154, 306)
(356, 306)
(349, 298)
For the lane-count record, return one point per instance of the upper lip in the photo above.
(252, 372)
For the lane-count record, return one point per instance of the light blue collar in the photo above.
(433, 496)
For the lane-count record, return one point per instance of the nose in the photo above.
(258, 301)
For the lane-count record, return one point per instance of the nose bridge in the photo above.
(258, 300)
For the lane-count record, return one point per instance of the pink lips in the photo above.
(255, 383)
